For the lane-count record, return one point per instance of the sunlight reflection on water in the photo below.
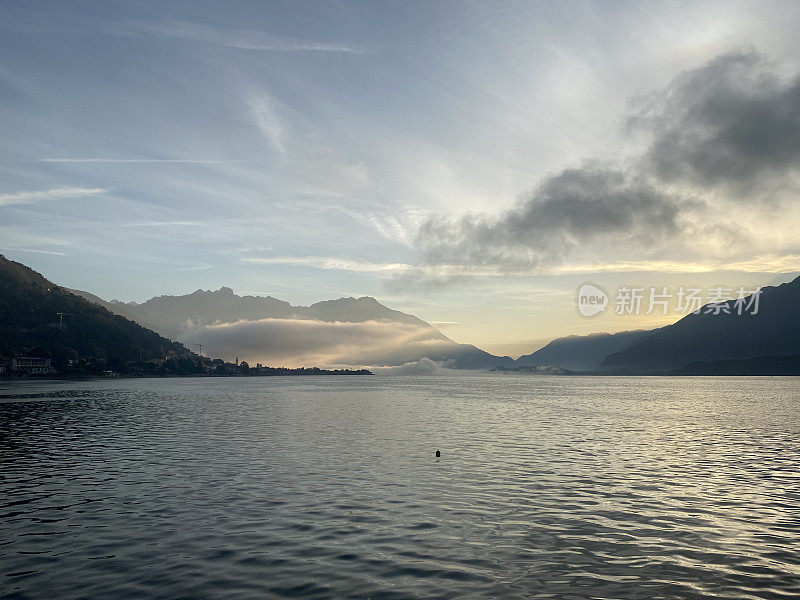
(328, 487)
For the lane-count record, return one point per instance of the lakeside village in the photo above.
(176, 365)
(101, 344)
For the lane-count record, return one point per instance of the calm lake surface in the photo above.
(327, 487)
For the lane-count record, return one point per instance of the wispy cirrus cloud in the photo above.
(60, 193)
(34, 251)
(310, 164)
(243, 39)
(405, 274)
(330, 263)
(767, 263)
(263, 110)
(138, 224)
(140, 160)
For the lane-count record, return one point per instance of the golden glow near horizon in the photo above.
(471, 165)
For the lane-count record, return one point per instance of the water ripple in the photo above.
(547, 487)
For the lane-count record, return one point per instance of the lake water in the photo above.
(327, 487)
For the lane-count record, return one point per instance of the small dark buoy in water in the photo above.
(438, 454)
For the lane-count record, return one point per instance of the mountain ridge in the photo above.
(39, 317)
(186, 317)
(702, 337)
(580, 352)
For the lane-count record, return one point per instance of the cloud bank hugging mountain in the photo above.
(303, 342)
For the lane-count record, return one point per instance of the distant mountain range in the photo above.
(581, 353)
(364, 332)
(173, 316)
(271, 330)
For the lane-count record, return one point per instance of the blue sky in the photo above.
(295, 149)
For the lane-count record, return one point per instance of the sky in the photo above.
(472, 163)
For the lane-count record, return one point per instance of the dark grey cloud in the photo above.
(733, 122)
(591, 204)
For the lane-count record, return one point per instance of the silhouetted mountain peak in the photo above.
(349, 301)
(29, 304)
(581, 353)
(720, 335)
(119, 302)
(224, 291)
